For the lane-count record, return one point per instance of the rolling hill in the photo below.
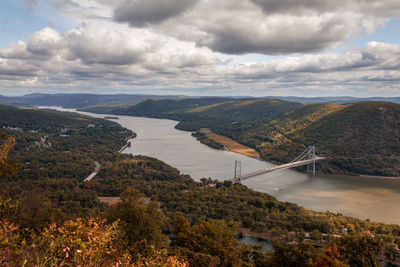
(362, 138)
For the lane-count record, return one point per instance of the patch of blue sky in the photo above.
(17, 22)
(389, 33)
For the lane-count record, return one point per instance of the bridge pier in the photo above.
(238, 171)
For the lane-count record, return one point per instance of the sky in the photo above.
(201, 47)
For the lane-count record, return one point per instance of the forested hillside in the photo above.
(204, 112)
(55, 152)
(361, 138)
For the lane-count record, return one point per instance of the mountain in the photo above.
(195, 113)
(361, 138)
(154, 108)
(31, 119)
(337, 99)
(78, 100)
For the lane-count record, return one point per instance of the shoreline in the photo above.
(230, 144)
(325, 174)
(379, 177)
(128, 143)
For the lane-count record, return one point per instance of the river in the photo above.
(363, 197)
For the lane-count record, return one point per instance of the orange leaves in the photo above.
(6, 167)
(75, 243)
(9, 241)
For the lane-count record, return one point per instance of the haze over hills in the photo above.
(84, 100)
(79, 100)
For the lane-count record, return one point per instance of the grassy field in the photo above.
(230, 144)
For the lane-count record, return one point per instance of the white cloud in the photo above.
(372, 7)
(107, 47)
(192, 46)
(85, 57)
(45, 42)
(240, 27)
(141, 13)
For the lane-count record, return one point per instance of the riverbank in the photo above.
(380, 177)
(230, 144)
(128, 143)
(233, 146)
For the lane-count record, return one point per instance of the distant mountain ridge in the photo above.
(86, 100)
(338, 99)
(79, 100)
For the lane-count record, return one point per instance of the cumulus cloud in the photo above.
(374, 57)
(268, 27)
(108, 54)
(373, 7)
(240, 27)
(192, 46)
(45, 42)
(138, 59)
(293, 6)
(107, 47)
(280, 35)
(140, 13)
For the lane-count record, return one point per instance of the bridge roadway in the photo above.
(279, 167)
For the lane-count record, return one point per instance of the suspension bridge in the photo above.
(307, 157)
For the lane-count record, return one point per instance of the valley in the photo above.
(207, 199)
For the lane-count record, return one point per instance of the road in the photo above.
(94, 173)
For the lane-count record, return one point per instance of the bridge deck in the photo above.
(279, 167)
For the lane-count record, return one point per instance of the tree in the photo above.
(34, 211)
(207, 243)
(140, 222)
(360, 250)
(7, 167)
(330, 258)
(289, 256)
(74, 243)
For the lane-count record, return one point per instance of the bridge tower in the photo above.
(311, 155)
(238, 171)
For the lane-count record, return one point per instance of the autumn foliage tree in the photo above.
(141, 223)
(207, 243)
(7, 167)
